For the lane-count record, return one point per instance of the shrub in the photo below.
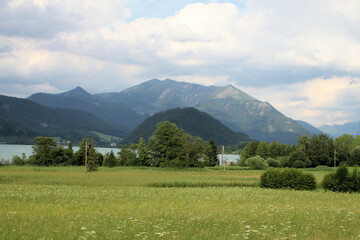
(256, 163)
(287, 179)
(273, 163)
(299, 164)
(342, 180)
(16, 160)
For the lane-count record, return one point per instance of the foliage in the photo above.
(287, 179)
(16, 160)
(299, 155)
(249, 151)
(143, 153)
(43, 152)
(342, 180)
(343, 146)
(211, 154)
(355, 156)
(256, 163)
(273, 162)
(109, 159)
(299, 164)
(263, 150)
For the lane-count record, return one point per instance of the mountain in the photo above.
(22, 117)
(309, 127)
(115, 113)
(338, 130)
(192, 121)
(234, 108)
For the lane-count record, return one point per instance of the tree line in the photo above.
(169, 146)
(320, 149)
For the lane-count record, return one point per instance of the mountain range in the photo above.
(23, 119)
(338, 130)
(232, 107)
(124, 111)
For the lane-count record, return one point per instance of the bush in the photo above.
(16, 160)
(287, 179)
(273, 163)
(256, 163)
(342, 180)
(299, 164)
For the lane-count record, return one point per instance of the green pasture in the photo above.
(147, 203)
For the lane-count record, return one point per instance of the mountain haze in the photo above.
(338, 130)
(115, 113)
(192, 121)
(234, 108)
(24, 117)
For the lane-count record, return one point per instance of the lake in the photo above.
(7, 151)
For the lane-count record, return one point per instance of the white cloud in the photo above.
(317, 101)
(277, 44)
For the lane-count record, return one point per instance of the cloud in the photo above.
(257, 44)
(318, 101)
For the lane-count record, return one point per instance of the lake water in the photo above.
(7, 151)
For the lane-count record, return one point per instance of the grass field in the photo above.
(145, 203)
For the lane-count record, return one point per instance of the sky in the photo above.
(301, 56)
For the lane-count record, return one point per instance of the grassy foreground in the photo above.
(135, 203)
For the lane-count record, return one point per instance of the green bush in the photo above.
(287, 179)
(16, 160)
(299, 164)
(256, 163)
(273, 163)
(342, 180)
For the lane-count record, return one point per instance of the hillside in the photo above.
(338, 130)
(22, 117)
(192, 121)
(234, 108)
(115, 113)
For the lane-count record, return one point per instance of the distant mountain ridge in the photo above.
(24, 117)
(234, 108)
(78, 99)
(192, 121)
(338, 130)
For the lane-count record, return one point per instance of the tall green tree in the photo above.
(166, 144)
(110, 159)
(143, 153)
(263, 150)
(42, 151)
(211, 154)
(320, 150)
(249, 151)
(343, 146)
(355, 156)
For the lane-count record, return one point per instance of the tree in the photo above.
(355, 156)
(249, 150)
(211, 154)
(256, 163)
(297, 156)
(343, 146)
(79, 155)
(274, 150)
(41, 151)
(110, 159)
(320, 150)
(166, 144)
(143, 153)
(127, 155)
(263, 150)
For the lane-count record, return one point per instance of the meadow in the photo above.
(148, 203)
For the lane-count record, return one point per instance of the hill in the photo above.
(338, 130)
(192, 121)
(115, 113)
(23, 118)
(234, 108)
(309, 127)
